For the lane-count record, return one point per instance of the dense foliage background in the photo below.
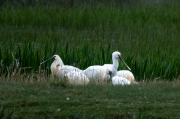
(86, 32)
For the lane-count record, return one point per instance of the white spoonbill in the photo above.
(77, 78)
(115, 56)
(128, 75)
(97, 72)
(116, 80)
(58, 68)
(122, 73)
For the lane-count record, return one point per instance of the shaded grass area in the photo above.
(60, 100)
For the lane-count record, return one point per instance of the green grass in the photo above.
(50, 100)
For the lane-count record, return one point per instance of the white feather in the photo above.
(77, 78)
(116, 80)
(97, 73)
(59, 69)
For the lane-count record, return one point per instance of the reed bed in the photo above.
(146, 35)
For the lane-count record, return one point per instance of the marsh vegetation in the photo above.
(85, 34)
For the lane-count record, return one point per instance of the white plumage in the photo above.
(122, 73)
(126, 74)
(98, 73)
(116, 80)
(77, 78)
(59, 69)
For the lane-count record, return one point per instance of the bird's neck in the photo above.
(115, 66)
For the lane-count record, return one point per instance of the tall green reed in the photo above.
(87, 55)
(147, 37)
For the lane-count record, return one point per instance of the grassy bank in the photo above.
(60, 100)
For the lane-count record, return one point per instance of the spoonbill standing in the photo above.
(115, 56)
(77, 78)
(58, 68)
(97, 72)
(122, 73)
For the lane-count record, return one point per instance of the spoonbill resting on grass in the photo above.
(58, 68)
(128, 75)
(115, 56)
(116, 80)
(77, 78)
(98, 73)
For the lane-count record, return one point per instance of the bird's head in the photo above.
(55, 57)
(117, 55)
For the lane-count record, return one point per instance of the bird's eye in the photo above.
(53, 57)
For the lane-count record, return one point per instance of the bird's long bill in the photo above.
(47, 60)
(124, 63)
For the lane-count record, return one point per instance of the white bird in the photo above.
(122, 73)
(59, 69)
(98, 73)
(128, 75)
(116, 80)
(77, 78)
(115, 56)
